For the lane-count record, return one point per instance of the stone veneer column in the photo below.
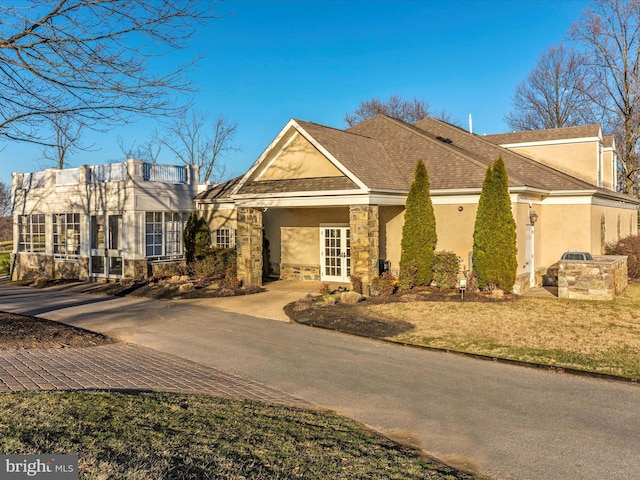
(249, 247)
(364, 227)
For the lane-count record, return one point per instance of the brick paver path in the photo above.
(127, 366)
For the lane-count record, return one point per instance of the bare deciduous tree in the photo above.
(148, 151)
(609, 31)
(6, 222)
(66, 139)
(195, 141)
(553, 95)
(89, 60)
(409, 111)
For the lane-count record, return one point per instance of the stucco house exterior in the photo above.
(331, 202)
(103, 221)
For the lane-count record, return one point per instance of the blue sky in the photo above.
(269, 61)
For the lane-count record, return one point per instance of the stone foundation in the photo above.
(168, 268)
(601, 279)
(299, 272)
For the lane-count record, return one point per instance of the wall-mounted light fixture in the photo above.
(533, 217)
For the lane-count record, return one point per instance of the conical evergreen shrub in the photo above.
(494, 239)
(419, 236)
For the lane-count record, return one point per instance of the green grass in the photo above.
(5, 263)
(137, 435)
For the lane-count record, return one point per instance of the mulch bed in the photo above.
(351, 318)
(18, 332)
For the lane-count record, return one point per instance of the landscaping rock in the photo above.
(186, 288)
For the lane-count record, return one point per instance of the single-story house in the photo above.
(331, 202)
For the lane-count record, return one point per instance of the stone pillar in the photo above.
(364, 226)
(249, 247)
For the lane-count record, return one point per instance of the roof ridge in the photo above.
(524, 158)
(329, 127)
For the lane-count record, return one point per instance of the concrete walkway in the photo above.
(123, 366)
(266, 304)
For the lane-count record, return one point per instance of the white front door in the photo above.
(529, 255)
(335, 254)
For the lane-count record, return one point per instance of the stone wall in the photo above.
(299, 272)
(168, 268)
(364, 225)
(601, 279)
(249, 245)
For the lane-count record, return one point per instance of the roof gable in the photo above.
(299, 158)
(293, 162)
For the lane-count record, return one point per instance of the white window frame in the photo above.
(224, 237)
(163, 235)
(32, 233)
(66, 235)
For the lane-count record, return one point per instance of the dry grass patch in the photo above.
(597, 336)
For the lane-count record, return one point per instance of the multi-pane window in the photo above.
(66, 234)
(31, 229)
(163, 231)
(173, 233)
(224, 238)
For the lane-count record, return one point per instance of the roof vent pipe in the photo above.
(470, 124)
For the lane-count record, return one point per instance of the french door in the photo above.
(106, 240)
(335, 254)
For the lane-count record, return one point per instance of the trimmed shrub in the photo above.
(445, 269)
(408, 272)
(494, 238)
(386, 284)
(629, 246)
(419, 236)
(215, 262)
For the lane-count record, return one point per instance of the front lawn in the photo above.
(139, 436)
(597, 336)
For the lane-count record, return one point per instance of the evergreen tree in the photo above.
(196, 238)
(494, 237)
(189, 237)
(419, 236)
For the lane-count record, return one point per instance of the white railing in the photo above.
(69, 176)
(33, 180)
(153, 172)
(112, 172)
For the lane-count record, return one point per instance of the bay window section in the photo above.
(163, 234)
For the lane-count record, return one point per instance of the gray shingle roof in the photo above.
(585, 131)
(382, 153)
(219, 191)
(297, 185)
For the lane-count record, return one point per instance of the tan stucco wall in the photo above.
(299, 159)
(608, 180)
(577, 159)
(294, 233)
(453, 227)
(223, 217)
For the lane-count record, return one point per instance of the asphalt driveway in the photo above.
(502, 420)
